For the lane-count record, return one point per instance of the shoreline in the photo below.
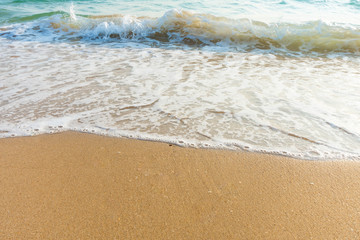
(82, 185)
(206, 147)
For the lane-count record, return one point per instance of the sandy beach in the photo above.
(83, 186)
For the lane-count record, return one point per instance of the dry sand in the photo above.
(82, 186)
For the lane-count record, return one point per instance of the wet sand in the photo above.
(82, 186)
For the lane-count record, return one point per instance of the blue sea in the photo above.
(276, 76)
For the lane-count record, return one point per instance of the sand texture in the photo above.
(82, 186)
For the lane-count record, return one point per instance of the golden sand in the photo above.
(83, 186)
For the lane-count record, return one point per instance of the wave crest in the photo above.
(184, 27)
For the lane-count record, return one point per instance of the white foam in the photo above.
(304, 107)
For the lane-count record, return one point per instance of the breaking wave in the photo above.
(190, 29)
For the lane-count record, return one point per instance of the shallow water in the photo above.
(252, 75)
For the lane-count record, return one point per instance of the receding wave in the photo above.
(194, 29)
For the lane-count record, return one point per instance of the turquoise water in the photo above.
(267, 76)
(331, 11)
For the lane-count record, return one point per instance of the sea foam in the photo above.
(304, 107)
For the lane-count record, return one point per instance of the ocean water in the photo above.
(280, 77)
